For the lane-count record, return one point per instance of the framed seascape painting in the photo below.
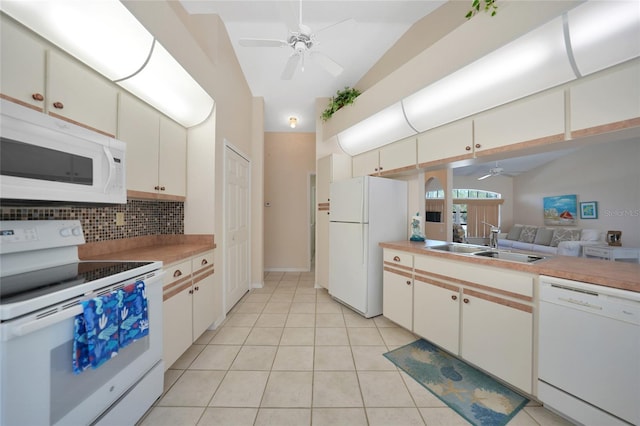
(560, 210)
(589, 210)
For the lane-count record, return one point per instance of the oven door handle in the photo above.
(39, 324)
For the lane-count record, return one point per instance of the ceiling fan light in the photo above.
(293, 122)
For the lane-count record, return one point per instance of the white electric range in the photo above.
(42, 283)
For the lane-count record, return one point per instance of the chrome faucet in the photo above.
(493, 237)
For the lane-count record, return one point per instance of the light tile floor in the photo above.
(288, 354)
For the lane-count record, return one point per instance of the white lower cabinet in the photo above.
(498, 338)
(397, 289)
(436, 313)
(188, 311)
(481, 313)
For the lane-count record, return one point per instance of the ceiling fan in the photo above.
(497, 171)
(301, 41)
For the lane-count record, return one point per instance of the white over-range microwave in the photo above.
(47, 160)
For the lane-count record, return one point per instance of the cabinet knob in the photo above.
(204, 262)
(327, 212)
(58, 105)
(454, 297)
(190, 291)
(468, 148)
(408, 282)
(375, 170)
(196, 288)
(478, 145)
(157, 188)
(37, 97)
(396, 258)
(162, 188)
(380, 168)
(465, 300)
(177, 273)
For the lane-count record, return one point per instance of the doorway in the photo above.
(236, 237)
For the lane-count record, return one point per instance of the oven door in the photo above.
(38, 386)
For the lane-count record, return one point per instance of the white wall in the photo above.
(607, 173)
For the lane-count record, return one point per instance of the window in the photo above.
(472, 208)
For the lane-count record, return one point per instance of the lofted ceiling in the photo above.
(356, 47)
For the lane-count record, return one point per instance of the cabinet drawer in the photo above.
(202, 261)
(177, 274)
(398, 258)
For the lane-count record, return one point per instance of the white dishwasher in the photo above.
(589, 352)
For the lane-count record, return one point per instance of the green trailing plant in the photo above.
(342, 98)
(489, 5)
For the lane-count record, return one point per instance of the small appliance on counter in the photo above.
(44, 288)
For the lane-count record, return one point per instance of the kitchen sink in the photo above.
(506, 255)
(459, 248)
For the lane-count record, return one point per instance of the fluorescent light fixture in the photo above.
(532, 63)
(102, 34)
(108, 38)
(164, 84)
(384, 127)
(604, 33)
(293, 122)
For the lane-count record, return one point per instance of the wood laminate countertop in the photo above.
(166, 248)
(621, 275)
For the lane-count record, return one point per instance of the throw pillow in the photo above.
(528, 234)
(543, 236)
(514, 233)
(590, 235)
(560, 235)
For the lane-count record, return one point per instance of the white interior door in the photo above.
(236, 219)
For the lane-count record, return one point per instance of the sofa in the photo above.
(550, 241)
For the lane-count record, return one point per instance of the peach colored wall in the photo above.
(289, 158)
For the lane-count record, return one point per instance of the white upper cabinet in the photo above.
(139, 127)
(156, 149)
(22, 68)
(79, 94)
(611, 97)
(537, 119)
(366, 163)
(452, 141)
(397, 156)
(172, 169)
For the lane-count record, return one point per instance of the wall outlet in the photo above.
(119, 218)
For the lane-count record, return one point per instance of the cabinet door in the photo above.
(497, 335)
(611, 97)
(138, 126)
(397, 298)
(172, 169)
(177, 325)
(453, 141)
(79, 94)
(203, 303)
(538, 119)
(436, 313)
(365, 164)
(22, 68)
(398, 155)
(397, 288)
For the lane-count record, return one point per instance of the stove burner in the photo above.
(28, 285)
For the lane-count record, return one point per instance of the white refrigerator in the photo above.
(364, 211)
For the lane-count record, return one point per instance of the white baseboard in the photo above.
(287, 270)
(258, 285)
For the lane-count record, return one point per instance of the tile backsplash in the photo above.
(141, 218)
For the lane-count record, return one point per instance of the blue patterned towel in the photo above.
(134, 318)
(96, 332)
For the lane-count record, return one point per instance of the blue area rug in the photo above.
(474, 395)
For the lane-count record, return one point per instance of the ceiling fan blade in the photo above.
(331, 66)
(289, 14)
(290, 67)
(344, 25)
(262, 42)
(485, 176)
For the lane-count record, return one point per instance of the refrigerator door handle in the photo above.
(364, 242)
